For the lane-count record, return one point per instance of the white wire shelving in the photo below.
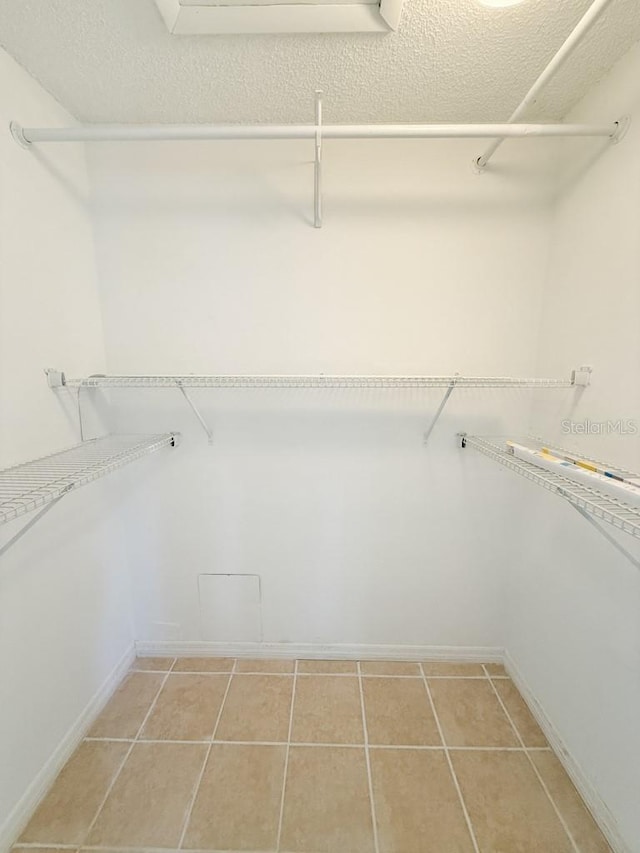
(579, 378)
(57, 379)
(591, 502)
(34, 485)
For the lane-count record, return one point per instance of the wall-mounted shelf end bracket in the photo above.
(55, 378)
(17, 132)
(581, 376)
(622, 126)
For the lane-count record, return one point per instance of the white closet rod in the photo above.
(167, 132)
(574, 39)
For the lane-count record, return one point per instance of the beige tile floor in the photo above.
(215, 754)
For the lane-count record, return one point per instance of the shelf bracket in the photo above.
(31, 523)
(439, 411)
(196, 412)
(57, 380)
(632, 559)
(317, 167)
(17, 131)
(581, 376)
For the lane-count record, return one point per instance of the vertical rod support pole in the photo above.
(317, 170)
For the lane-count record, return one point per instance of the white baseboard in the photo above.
(592, 799)
(313, 651)
(25, 807)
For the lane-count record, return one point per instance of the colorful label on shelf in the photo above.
(585, 473)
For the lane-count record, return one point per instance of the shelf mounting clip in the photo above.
(581, 376)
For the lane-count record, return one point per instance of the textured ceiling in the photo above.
(451, 60)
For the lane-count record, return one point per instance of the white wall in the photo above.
(361, 535)
(208, 264)
(573, 600)
(64, 598)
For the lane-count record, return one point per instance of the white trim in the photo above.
(319, 651)
(281, 18)
(29, 801)
(285, 17)
(592, 799)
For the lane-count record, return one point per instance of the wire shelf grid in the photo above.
(313, 381)
(32, 485)
(610, 466)
(595, 503)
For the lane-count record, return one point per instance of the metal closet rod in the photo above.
(583, 26)
(177, 132)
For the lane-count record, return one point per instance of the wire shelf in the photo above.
(313, 381)
(591, 501)
(610, 466)
(31, 485)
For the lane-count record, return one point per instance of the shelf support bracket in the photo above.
(56, 380)
(36, 518)
(439, 411)
(581, 376)
(196, 412)
(317, 168)
(632, 559)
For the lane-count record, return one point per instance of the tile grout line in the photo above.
(321, 674)
(374, 821)
(456, 783)
(326, 744)
(192, 671)
(128, 753)
(286, 756)
(196, 787)
(534, 768)
(150, 849)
